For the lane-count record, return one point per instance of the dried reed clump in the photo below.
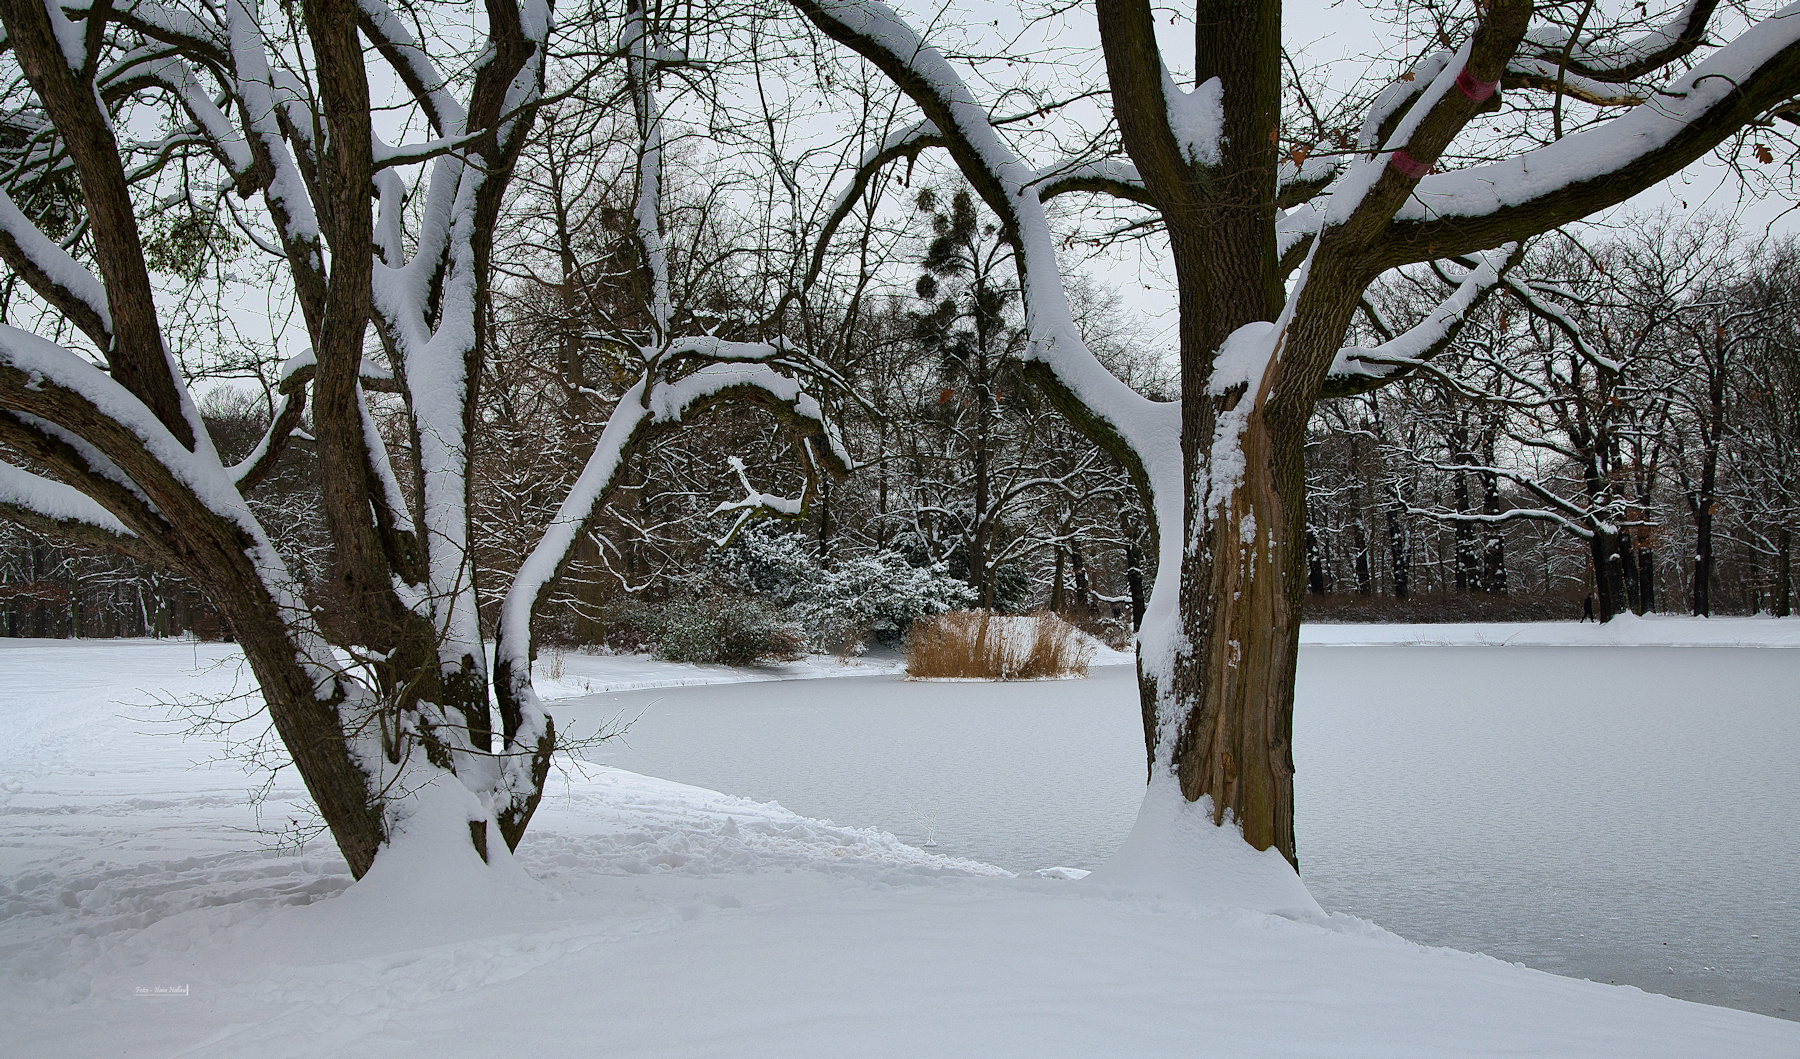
(978, 645)
(1057, 649)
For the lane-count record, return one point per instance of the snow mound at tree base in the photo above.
(1175, 850)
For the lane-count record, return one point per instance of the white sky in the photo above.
(1335, 34)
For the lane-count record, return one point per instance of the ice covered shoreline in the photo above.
(1627, 630)
(142, 916)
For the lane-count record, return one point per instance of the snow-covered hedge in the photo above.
(727, 630)
(874, 596)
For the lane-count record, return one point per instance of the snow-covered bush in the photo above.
(726, 630)
(872, 596)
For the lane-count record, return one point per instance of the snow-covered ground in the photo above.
(570, 674)
(567, 675)
(1626, 630)
(145, 914)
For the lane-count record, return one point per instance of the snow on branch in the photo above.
(649, 408)
(1550, 48)
(430, 88)
(1561, 181)
(1580, 521)
(221, 135)
(641, 71)
(1298, 181)
(56, 277)
(1360, 368)
(1532, 297)
(905, 142)
(756, 503)
(387, 156)
(1108, 176)
(1393, 102)
(1137, 430)
(28, 494)
(285, 192)
(300, 368)
(1549, 76)
(1196, 118)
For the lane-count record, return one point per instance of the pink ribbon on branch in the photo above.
(1475, 90)
(1409, 166)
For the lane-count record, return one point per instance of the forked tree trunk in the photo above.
(1217, 664)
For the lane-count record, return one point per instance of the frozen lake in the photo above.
(1627, 815)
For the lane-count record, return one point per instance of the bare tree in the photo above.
(1271, 257)
(375, 674)
(1763, 454)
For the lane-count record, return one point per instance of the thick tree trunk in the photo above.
(978, 534)
(1084, 599)
(1241, 607)
(1703, 556)
(1609, 577)
(590, 626)
(1628, 568)
(1399, 552)
(1134, 584)
(1493, 550)
(1468, 563)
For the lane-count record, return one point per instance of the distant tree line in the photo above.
(1623, 423)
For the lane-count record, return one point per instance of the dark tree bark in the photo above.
(1784, 572)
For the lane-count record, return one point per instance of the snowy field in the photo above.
(1626, 630)
(148, 911)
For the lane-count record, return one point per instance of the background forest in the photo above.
(1624, 423)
